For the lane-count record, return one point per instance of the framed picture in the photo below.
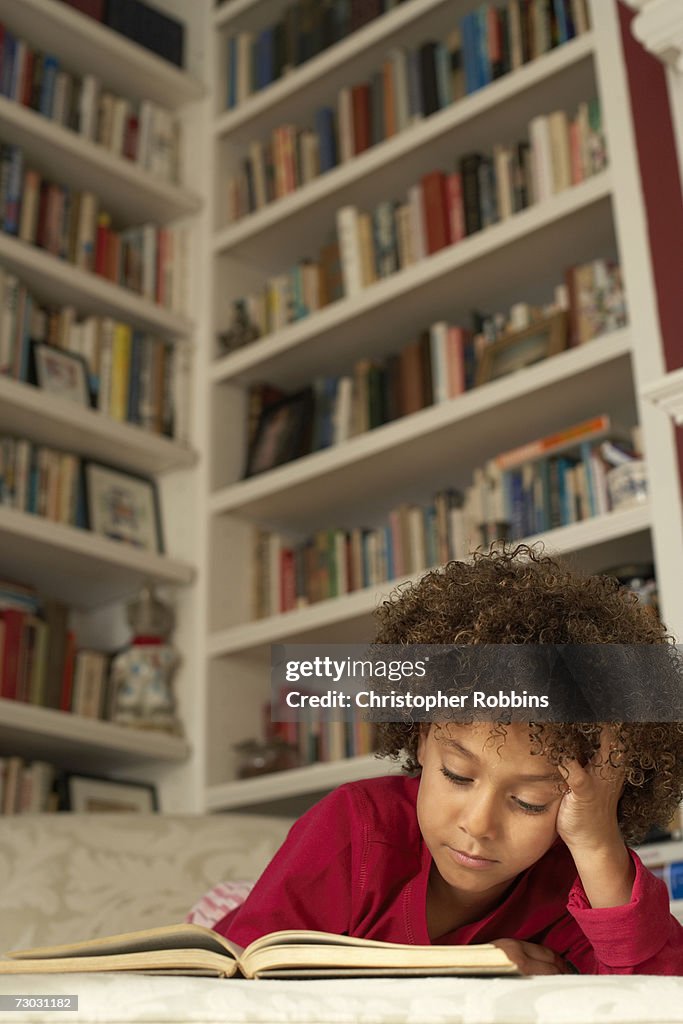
(283, 433)
(90, 794)
(62, 373)
(123, 507)
(523, 348)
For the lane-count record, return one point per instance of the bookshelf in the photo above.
(92, 574)
(357, 481)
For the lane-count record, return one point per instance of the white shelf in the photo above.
(76, 743)
(78, 566)
(84, 45)
(309, 779)
(378, 158)
(652, 854)
(228, 11)
(27, 411)
(516, 250)
(347, 619)
(61, 283)
(563, 389)
(129, 193)
(667, 394)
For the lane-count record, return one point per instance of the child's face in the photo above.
(486, 806)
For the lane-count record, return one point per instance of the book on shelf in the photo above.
(26, 788)
(193, 949)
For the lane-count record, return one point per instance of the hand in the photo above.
(531, 958)
(587, 815)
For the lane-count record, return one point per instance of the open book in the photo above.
(192, 949)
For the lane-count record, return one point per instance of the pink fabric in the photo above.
(216, 903)
(356, 864)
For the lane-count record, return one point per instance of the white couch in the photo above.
(67, 877)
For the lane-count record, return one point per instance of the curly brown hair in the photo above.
(521, 596)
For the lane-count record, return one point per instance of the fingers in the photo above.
(530, 958)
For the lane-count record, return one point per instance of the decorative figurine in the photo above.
(141, 674)
(241, 331)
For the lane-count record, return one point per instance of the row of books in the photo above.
(40, 662)
(142, 132)
(411, 84)
(27, 787)
(442, 362)
(41, 480)
(132, 376)
(145, 25)
(149, 260)
(440, 210)
(552, 481)
(317, 740)
(256, 59)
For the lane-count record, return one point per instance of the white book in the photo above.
(181, 378)
(8, 314)
(119, 122)
(515, 33)
(539, 133)
(349, 250)
(343, 410)
(105, 119)
(560, 152)
(88, 107)
(438, 342)
(502, 158)
(144, 130)
(61, 97)
(399, 71)
(18, 68)
(87, 231)
(416, 533)
(149, 261)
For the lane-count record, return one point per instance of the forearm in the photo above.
(607, 873)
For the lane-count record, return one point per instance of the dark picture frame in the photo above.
(96, 794)
(283, 433)
(523, 348)
(123, 506)
(61, 373)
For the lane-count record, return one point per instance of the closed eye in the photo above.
(530, 808)
(457, 780)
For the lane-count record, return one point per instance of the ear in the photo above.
(422, 742)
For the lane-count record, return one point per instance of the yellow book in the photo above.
(120, 372)
(192, 949)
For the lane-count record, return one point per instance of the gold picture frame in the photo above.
(523, 348)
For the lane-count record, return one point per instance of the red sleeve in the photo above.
(308, 882)
(641, 937)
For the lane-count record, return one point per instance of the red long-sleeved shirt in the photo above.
(357, 864)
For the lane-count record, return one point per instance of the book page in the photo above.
(174, 936)
(161, 961)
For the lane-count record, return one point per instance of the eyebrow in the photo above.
(553, 777)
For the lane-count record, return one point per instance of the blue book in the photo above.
(325, 127)
(481, 21)
(47, 89)
(13, 194)
(468, 52)
(561, 21)
(265, 57)
(231, 97)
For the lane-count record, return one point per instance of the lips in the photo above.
(470, 860)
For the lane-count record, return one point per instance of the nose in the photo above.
(478, 817)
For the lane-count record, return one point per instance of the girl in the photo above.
(512, 834)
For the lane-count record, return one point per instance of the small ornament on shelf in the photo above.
(141, 674)
(241, 331)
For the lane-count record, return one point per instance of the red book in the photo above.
(93, 8)
(435, 210)
(68, 672)
(11, 655)
(456, 210)
(27, 83)
(287, 580)
(130, 138)
(360, 99)
(101, 237)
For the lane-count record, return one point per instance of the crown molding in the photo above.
(667, 394)
(659, 27)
